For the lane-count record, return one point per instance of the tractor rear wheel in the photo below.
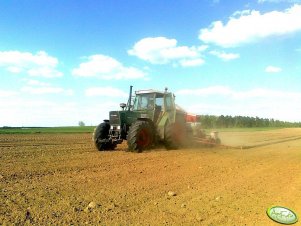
(101, 132)
(174, 135)
(140, 136)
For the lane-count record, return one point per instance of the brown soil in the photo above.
(62, 179)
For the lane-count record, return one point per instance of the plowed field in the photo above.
(61, 179)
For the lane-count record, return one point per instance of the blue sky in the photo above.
(67, 61)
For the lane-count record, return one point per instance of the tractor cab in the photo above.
(153, 103)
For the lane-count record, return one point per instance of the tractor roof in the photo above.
(149, 91)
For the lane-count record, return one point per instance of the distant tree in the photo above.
(81, 123)
(211, 121)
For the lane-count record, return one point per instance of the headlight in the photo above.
(115, 128)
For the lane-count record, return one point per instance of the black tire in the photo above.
(174, 135)
(102, 132)
(140, 136)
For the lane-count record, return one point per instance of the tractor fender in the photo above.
(161, 126)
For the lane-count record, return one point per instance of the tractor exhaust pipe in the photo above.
(130, 99)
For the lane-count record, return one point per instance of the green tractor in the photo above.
(150, 118)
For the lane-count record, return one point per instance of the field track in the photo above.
(61, 179)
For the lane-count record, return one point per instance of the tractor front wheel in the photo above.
(140, 136)
(100, 133)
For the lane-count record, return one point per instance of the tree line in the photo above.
(212, 121)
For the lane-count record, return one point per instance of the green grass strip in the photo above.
(31, 130)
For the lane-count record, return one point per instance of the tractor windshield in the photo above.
(144, 101)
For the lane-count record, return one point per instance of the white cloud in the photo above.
(250, 26)
(161, 50)
(105, 91)
(266, 93)
(36, 87)
(225, 56)
(7, 93)
(273, 69)
(150, 49)
(241, 13)
(106, 67)
(44, 72)
(25, 58)
(21, 111)
(192, 62)
(278, 1)
(32, 82)
(46, 90)
(18, 110)
(37, 112)
(213, 90)
(14, 69)
(265, 103)
(202, 48)
(227, 92)
(39, 64)
(179, 52)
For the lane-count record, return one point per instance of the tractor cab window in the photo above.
(158, 105)
(168, 102)
(159, 101)
(144, 102)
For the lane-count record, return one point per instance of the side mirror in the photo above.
(122, 105)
